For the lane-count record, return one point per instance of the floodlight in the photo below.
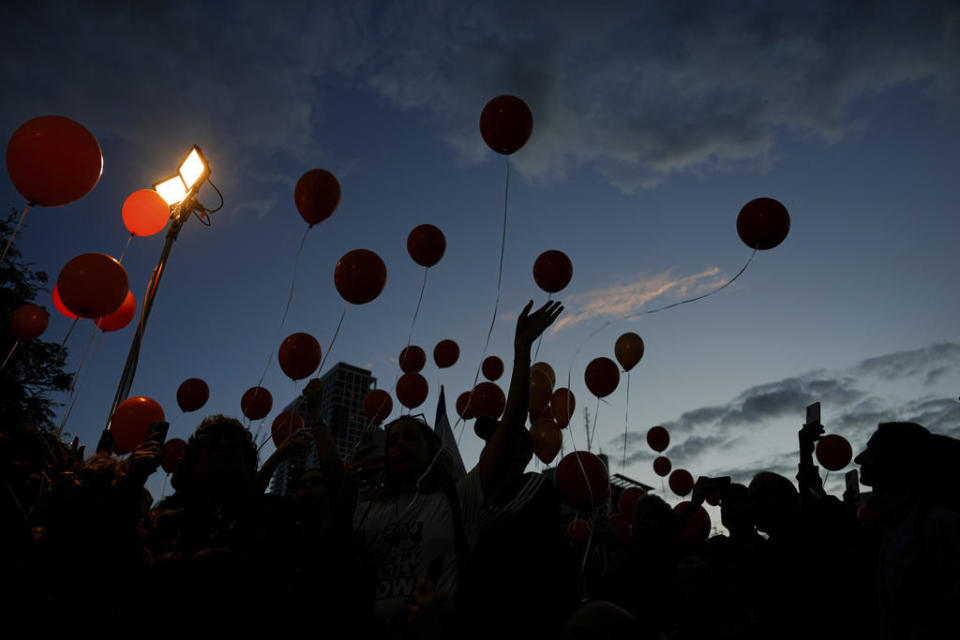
(172, 190)
(194, 169)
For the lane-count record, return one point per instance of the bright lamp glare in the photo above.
(192, 168)
(172, 190)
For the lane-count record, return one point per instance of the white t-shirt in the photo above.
(406, 541)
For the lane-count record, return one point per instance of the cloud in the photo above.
(639, 94)
(852, 407)
(622, 300)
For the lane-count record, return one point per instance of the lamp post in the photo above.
(179, 191)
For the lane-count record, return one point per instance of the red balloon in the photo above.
(256, 403)
(697, 528)
(579, 531)
(426, 245)
(412, 390)
(145, 212)
(28, 322)
(763, 223)
(714, 499)
(546, 370)
(299, 355)
(545, 440)
(192, 394)
(602, 376)
(171, 453)
(662, 466)
(93, 285)
(121, 317)
(628, 350)
(621, 527)
(131, 419)
(488, 400)
(377, 405)
(541, 392)
(465, 408)
(658, 438)
(628, 500)
(360, 276)
(317, 195)
(53, 161)
(446, 353)
(563, 403)
(412, 359)
(284, 426)
(681, 482)
(834, 452)
(492, 368)
(582, 487)
(552, 271)
(62, 308)
(506, 124)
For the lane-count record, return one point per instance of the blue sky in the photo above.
(653, 125)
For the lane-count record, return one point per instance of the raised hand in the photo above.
(531, 325)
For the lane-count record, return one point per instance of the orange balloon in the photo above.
(145, 213)
(256, 403)
(506, 124)
(412, 359)
(541, 392)
(563, 404)
(121, 317)
(58, 303)
(492, 368)
(763, 223)
(488, 400)
(93, 285)
(377, 405)
(552, 271)
(28, 322)
(284, 426)
(412, 390)
(546, 370)
(53, 161)
(602, 376)
(681, 482)
(316, 195)
(545, 439)
(360, 276)
(446, 353)
(192, 394)
(426, 245)
(131, 419)
(628, 350)
(582, 480)
(299, 355)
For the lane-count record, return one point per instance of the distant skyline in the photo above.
(653, 126)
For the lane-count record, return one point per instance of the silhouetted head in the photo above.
(736, 510)
(600, 620)
(412, 446)
(897, 455)
(220, 454)
(775, 502)
(484, 426)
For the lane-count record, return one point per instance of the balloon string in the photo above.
(333, 340)
(74, 396)
(14, 234)
(259, 429)
(626, 423)
(293, 280)
(503, 245)
(416, 312)
(593, 433)
(586, 479)
(63, 343)
(125, 247)
(7, 359)
(83, 358)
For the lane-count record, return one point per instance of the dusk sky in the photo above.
(654, 123)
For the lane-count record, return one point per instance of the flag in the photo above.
(441, 427)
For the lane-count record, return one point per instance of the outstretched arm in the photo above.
(496, 468)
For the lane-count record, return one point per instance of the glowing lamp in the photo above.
(194, 169)
(172, 190)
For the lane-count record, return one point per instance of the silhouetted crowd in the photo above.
(391, 544)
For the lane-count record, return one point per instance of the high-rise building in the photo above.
(344, 387)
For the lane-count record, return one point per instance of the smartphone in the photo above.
(813, 413)
(157, 431)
